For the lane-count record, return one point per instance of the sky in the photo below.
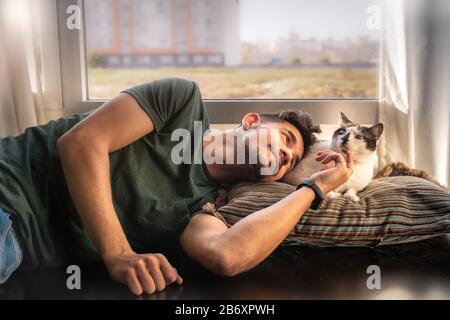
(272, 19)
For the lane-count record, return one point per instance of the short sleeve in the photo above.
(163, 99)
(214, 214)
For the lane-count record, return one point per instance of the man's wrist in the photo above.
(320, 186)
(116, 254)
(318, 194)
(309, 193)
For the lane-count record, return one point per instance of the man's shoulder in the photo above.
(172, 84)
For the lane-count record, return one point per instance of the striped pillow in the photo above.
(392, 210)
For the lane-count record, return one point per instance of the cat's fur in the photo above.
(400, 169)
(360, 141)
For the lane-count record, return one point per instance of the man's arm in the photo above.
(229, 251)
(84, 153)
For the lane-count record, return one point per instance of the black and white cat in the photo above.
(360, 141)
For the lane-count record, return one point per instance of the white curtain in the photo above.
(19, 76)
(415, 85)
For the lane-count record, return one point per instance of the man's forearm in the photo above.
(253, 238)
(86, 169)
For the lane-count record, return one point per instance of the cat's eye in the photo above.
(341, 131)
(359, 137)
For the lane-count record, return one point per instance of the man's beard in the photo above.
(255, 170)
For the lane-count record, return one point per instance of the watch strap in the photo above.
(319, 197)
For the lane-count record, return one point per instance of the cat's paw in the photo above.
(333, 195)
(351, 195)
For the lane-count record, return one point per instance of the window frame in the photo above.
(74, 88)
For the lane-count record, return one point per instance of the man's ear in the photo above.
(251, 120)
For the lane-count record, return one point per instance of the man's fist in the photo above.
(143, 273)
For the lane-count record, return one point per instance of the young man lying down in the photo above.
(117, 183)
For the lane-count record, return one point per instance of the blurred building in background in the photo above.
(141, 33)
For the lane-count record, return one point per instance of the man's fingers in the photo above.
(132, 282)
(169, 272)
(320, 156)
(338, 158)
(179, 280)
(331, 157)
(145, 279)
(326, 156)
(145, 273)
(329, 165)
(349, 161)
(153, 265)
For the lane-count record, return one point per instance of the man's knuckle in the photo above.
(159, 256)
(152, 261)
(139, 263)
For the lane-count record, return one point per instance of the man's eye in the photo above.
(286, 138)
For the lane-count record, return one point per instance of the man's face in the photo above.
(279, 146)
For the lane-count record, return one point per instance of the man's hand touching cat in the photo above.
(336, 175)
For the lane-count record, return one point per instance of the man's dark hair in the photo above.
(299, 119)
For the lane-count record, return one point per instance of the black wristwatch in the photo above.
(319, 195)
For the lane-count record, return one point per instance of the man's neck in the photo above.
(225, 173)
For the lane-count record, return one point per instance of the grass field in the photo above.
(246, 82)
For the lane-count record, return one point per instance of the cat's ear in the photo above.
(377, 130)
(344, 119)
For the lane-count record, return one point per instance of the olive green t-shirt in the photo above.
(153, 197)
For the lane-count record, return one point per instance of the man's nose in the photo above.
(346, 138)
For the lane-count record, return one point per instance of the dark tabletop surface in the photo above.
(418, 270)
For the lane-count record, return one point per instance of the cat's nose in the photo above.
(346, 138)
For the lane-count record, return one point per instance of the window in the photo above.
(244, 54)
(273, 49)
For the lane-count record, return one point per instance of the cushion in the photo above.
(392, 210)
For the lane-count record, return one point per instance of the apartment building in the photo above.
(139, 33)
